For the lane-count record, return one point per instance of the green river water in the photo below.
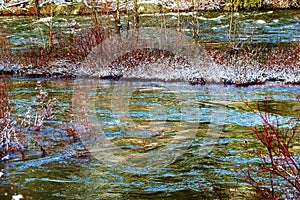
(204, 127)
(147, 139)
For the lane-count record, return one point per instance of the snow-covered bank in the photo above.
(29, 7)
(147, 65)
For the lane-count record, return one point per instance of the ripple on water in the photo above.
(60, 176)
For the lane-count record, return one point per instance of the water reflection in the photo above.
(260, 27)
(171, 106)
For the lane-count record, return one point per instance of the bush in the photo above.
(278, 174)
(13, 130)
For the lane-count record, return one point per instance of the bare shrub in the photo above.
(278, 174)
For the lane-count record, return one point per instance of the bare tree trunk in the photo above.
(95, 16)
(50, 33)
(37, 8)
(178, 12)
(117, 17)
(193, 20)
(136, 15)
(4, 103)
(127, 13)
(51, 36)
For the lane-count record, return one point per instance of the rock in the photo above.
(197, 81)
(149, 7)
(17, 197)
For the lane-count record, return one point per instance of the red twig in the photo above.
(277, 158)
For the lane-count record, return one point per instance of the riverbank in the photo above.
(84, 7)
(239, 48)
(234, 66)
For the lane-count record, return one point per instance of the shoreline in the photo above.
(85, 7)
(241, 68)
(238, 64)
(7, 76)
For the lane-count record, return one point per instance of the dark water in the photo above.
(243, 27)
(202, 133)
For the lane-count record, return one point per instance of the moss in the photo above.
(149, 8)
(51, 8)
(76, 8)
(236, 5)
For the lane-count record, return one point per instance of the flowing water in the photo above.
(148, 139)
(258, 27)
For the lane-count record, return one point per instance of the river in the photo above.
(146, 139)
(149, 139)
(269, 27)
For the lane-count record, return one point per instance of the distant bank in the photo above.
(84, 7)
